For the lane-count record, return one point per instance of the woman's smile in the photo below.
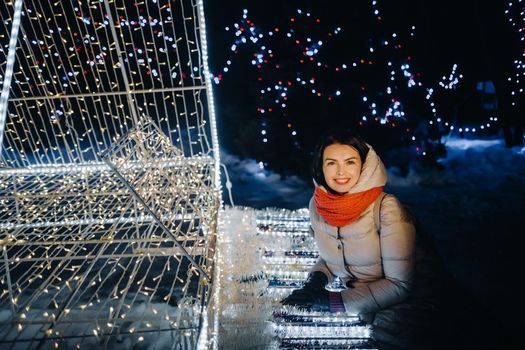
(342, 181)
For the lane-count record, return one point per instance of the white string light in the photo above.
(13, 38)
(516, 14)
(100, 251)
(254, 281)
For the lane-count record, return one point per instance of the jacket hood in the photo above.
(373, 173)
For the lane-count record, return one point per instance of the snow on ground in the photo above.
(472, 205)
(473, 208)
(256, 187)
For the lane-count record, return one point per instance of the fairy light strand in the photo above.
(383, 105)
(13, 38)
(76, 238)
(275, 92)
(515, 13)
(255, 281)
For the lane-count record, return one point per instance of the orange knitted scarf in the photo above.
(341, 210)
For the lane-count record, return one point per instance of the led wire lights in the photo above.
(264, 255)
(109, 195)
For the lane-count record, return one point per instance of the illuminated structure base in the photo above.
(108, 255)
(264, 255)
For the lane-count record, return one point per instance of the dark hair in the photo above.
(335, 136)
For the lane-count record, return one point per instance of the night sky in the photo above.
(474, 35)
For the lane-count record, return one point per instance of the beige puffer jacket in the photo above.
(381, 264)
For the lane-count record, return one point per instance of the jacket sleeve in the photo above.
(397, 243)
(320, 265)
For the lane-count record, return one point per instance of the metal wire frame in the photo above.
(82, 78)
(66, 261)
(91, 192)
(97, 243)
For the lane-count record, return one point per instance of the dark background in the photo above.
(474, 35)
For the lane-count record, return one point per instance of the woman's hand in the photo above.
(312, 296)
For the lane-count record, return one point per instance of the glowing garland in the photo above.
(74, 72)
(76, 237)
(396, 110)
(254, 280)
(516, 15)
(264, 56)
(450, 83)
(68, 244)
(274, 94)
(280, 89)
(13, 38)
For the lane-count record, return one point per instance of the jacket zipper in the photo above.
(342, 248)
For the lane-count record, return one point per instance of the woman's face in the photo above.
(341, 167)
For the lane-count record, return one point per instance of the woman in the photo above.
(376, 266)
(377, 261)
(374, 260)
